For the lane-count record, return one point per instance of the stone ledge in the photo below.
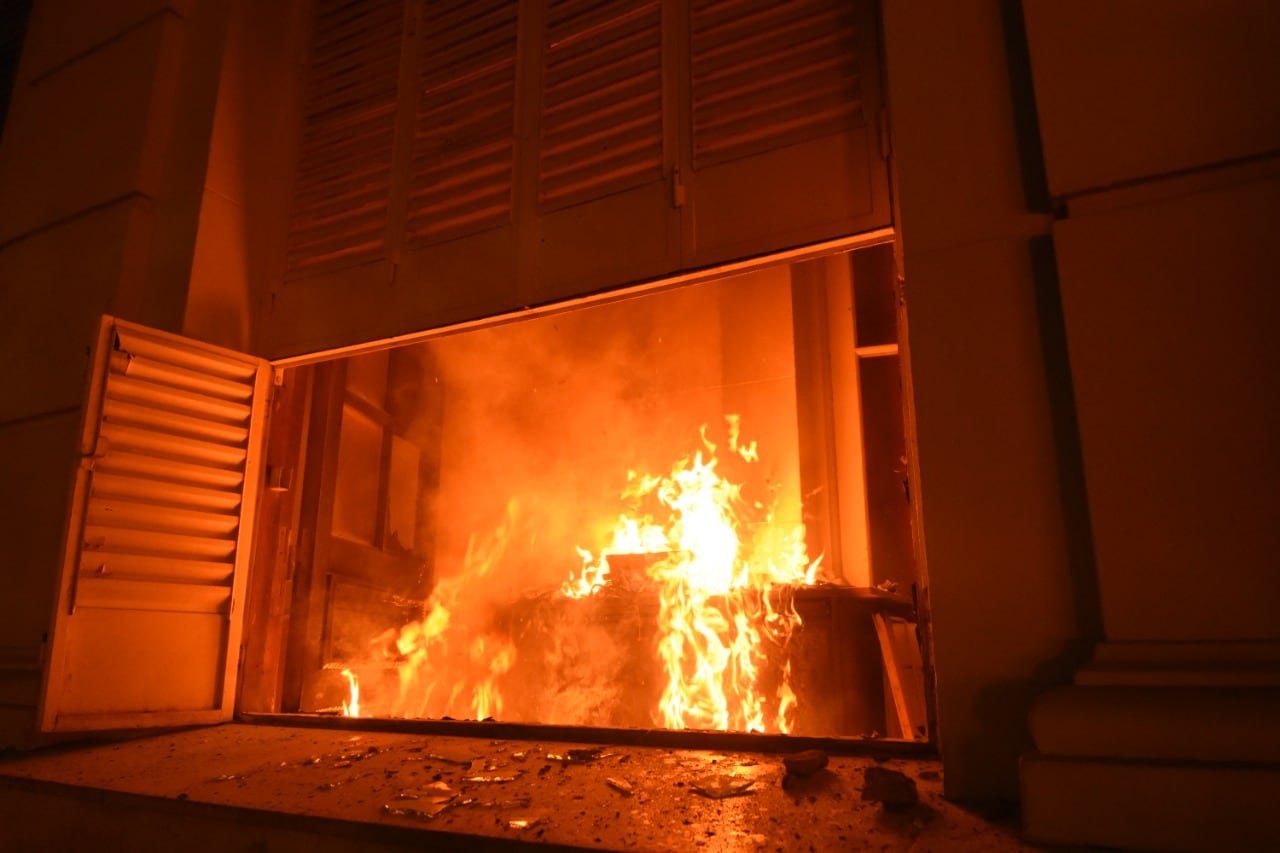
(1236, 724)
(1149, 805)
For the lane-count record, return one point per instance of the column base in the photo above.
(1149, 805)
(1159, 746)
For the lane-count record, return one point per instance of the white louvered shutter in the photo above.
(147, 627)
(785, 107)
(604, 210)
(460, 177)
(343, 184)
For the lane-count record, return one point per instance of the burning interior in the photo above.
(684, 508)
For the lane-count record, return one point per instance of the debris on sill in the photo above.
(433, 789)
(805, 763)
(579, 755)
(422, 809)
(487, 780)
(464, 759)
(720, 786)
(622, 786)
(526, 821)
(894, 790)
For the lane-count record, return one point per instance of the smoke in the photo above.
(531, 429)
(549, 414)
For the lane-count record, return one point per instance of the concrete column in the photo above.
(1160, 133)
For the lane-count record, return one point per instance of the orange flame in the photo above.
(724, 590)
(449, 668)
(351, 705)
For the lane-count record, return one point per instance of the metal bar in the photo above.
(737, 741)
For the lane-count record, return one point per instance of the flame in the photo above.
(725, 591)
(448, 667)
(724, 571)
(351, 706)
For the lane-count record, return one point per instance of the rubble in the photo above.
(893, 789)
(526, 820)
(719, 786)
(463, 759)
(486, 780)
(577, 755)
(622, 786)
(433, 789)
(423, 809)
(805, 763)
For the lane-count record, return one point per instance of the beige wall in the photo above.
(244, 204)
(1160, 135)
(1168, 263)
(100, 168)
(1151, 282)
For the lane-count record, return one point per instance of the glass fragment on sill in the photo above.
(720, 786)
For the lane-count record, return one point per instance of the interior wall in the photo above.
(552, 413)
(101, 162)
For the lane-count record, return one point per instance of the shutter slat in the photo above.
(735, 120)
(571, 22)
(181, 401)
(141, 516)
(180, 378)
(360, 225)
(108, 485)
(465, 121)
(343, 185)
(147, 417)
(325, 144)
(140, 344)
(458, 179)
(145, 595)
(338, 206)
(484, 36)
(483, 106)
(768, 75)
(106, 564)
(621, 121)
(127, 439)
(601, 130)
(138, 465)
(157, 544)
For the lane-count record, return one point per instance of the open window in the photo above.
(683, 506)
(498, 519)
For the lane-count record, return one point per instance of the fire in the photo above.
(446, 666)
(723, 572)
(725, 591)
(351, 706)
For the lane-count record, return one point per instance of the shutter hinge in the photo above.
(279, 478)
(677, 189)
(886, 147)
